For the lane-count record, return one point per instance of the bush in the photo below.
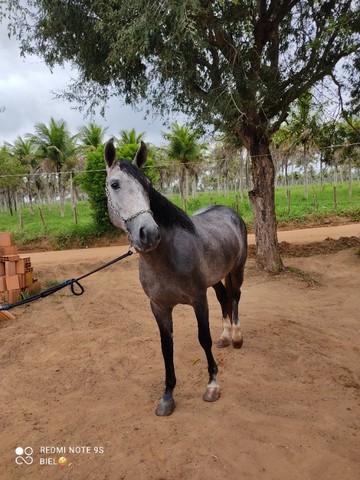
(93, 182)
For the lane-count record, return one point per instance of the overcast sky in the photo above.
(25, 92)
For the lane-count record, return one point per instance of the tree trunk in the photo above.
(306, 174)
(9, 200)
(350, 176)
(262, 198)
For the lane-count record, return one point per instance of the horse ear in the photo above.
(141, 155)
(110, 152)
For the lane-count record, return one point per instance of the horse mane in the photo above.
(165, 213)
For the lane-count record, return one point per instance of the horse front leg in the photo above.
(163, 318)
(202, 315)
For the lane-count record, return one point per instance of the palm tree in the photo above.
(91, 136)
(130, 137)
(185, 149)
(24, 151)
(56, 148)
(302, 128)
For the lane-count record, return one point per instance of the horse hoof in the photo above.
(223, 342)
(165, 408)
(238, 343)
(212, 394)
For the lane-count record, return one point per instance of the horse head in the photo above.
(128, 198)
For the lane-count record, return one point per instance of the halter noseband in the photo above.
(117, 213)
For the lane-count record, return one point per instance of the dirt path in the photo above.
(80, 378)
(301, 236)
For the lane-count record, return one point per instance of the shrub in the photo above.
(93, 182)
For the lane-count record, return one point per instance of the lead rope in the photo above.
(71, 282)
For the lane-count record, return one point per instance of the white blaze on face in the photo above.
(127, 196)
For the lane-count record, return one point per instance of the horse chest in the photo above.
(169, 285)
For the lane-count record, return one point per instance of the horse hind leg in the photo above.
(234, 289)
(236, 335)
(225, 337)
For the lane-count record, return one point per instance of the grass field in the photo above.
(62, 232)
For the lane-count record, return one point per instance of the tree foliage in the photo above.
(237, 66)
(217, 60)
(93, 182)
(91, 136)
(11, 171)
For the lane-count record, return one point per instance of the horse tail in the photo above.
(229, 297)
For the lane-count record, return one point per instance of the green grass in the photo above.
(301, 210)
(61, 232)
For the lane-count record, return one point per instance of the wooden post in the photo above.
(42, 218)
(316, 204)
(335, 202)
(21, 222)
(288, 195)
(237, 202)
(75, 214)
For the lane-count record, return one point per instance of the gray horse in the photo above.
(180, 257)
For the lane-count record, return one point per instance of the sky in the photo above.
(26, 86)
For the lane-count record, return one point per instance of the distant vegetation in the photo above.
(45, 228)
(52, 182)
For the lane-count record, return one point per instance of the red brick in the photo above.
(20, 266)
(14, 295)
(5, 239)
(10, 268)
(12, 282)
(28, 279)
(10, 250)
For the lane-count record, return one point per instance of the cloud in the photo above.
(26, 92)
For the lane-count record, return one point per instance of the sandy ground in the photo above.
(81, 377)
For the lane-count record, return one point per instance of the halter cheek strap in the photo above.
(117, 213)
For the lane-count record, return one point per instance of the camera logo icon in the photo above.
(24, 455)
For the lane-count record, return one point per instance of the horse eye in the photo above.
(115, 185)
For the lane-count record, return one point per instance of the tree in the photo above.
(11, 177)
(237, 66)
(131, 137)
(302, 126)
(91, 136)
(184, 148)
(56, 147)
(24, 151)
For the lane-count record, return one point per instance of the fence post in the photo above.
(288, 195)
(316, 201)
(42, 218)
(75, 213)
(335, 200)
(21, 222)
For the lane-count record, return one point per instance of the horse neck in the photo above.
(167, 215)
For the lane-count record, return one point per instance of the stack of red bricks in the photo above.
(16, 273)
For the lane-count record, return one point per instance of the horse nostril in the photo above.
(143, 235)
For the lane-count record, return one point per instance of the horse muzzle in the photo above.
(147, 238)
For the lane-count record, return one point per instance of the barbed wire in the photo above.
(158, 166)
